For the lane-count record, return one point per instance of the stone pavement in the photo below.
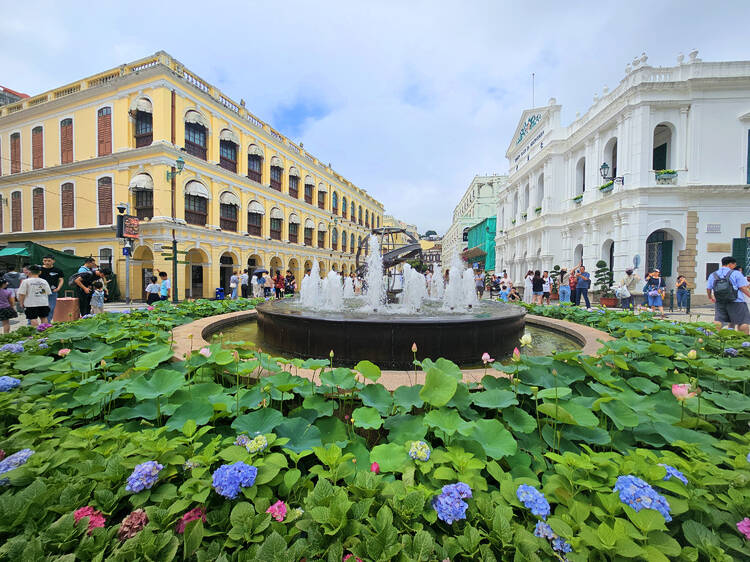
(19, 322)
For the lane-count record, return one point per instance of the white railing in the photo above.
(195, 81)
(229, 104)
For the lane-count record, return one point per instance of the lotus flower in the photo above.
(277, 510)
(63, 352)
(205, 352)
(682, 391)
(525, 340)
(692, 354)
(149, 308)
(516, 355)
(486, 358)
(414, 347)
(375, 467)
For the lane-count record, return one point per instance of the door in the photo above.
(196, 281)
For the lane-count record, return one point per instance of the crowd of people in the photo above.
(261, 284)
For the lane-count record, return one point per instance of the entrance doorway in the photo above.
(226, 266)
(659, 253)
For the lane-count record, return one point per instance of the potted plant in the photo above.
(523, 216)
(555, 285)
(513, 221)
(665, 174)
(607, 187)
(578, 199)
(603, 280)
(538, 210)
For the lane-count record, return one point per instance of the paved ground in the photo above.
(110, 307)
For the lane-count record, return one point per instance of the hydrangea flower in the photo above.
(96, 519)
(43, 326)
(672, 471)
(534, 500)
(258, 444)
(449, 504)
(8, 383)
(144, 476)
(43, 346)
(744, 527)
(746, 344)
(560, 545)
(639, 495)
(13, 461)
(132, 524)
(277, 510)
(731, 352)
(12, 347)
(229, 478)
(190, 465)
(544, 531)
(420, 450)
(192, 515)
(242, 440)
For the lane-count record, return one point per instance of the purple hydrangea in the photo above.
(560, 545)
(43, 346)
(731, 352)
(449, 504)
(544, 531)
(8, 383)
(672, 471)
(639, 495)
(242, 440)
(13, 461)
(12, 347)
(143, 477)
(534, 500)
(229, 478)
(746, 344)
(43, 326)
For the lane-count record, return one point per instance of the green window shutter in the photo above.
(740, 252)
(660, 157)
(666, 258)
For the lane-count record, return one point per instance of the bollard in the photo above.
(687, 304)
(671, 300)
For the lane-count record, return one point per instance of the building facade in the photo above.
(9, 96)
(478, 202)
(671, 195)
(247, 196)
(480, 247)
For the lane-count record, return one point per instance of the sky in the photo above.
(407, 99)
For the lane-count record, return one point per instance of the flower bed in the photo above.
(115, 451)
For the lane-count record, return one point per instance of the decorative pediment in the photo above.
(530, 122)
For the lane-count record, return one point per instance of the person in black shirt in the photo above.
(85, 278)
(537, 287)
(54, 276)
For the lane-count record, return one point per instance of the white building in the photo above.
(478, 202)
(692, 119)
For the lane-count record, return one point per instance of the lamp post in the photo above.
(604, 171)
(124, 208)
(171, 175)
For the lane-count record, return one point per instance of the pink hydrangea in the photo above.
(744, 527)
(192, 515)
(350, 555)
(277, 510)
(96, 519)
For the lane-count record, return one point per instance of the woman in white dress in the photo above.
(528, 294)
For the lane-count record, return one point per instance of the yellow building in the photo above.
(401, 239)
(247, 195)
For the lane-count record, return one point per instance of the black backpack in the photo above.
(723, 289)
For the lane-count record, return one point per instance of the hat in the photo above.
(629, 270)
(657, 270)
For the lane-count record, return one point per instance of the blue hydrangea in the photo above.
(8, 383)
(732, 352)
(43, 346)
(639, 495)
(544, 531)
(12, 347)
(229, 478)
(242, 440)
(534, 500)
(420, 450)
(144, 476)
(13, 461)
(672, 471)
(560, 545)
(747, 458)
(449, 504)
(746, 344)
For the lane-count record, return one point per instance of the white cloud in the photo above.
(418, 96)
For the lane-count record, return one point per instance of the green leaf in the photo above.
(570, 413)
(407, 397)
(405, 428)
(620, 413)
(519, 420)
(33, 362)
(302, 435)
(378, 397)
(448, 367)
(161, 383)
(562, 392)
(149, 361)
(145, 410)
(264, 420)
(606, 534)
(368, 369)
(445, 419)
(439, 387)
(496, 441)
(593, 435)
(338, 378)
(642, 384)
(495, 399)
(199, 412)
(367, 418)
(318, 403)
(390, 456)
(699, 535)
(646, 519)
(332, 430)
(193, 537)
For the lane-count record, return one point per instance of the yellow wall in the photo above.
(153, 79)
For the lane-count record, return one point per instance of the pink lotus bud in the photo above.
(63, 352)
(414, 347)
(205, 352)
(486, 358)
(682, 391)
(375, 467)
(692, 354)
(516, 355)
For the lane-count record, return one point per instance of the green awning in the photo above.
(15, 251)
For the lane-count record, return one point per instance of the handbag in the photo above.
(233, 285)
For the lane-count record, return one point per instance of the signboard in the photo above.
(127, 226)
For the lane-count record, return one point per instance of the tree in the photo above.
(603, 279)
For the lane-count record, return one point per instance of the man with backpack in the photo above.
(728, 289)
(82, 281)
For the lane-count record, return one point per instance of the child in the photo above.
(97, 297)
(504, 293)
(513, 296)
(165, 288)
(152, 290)
(7, 305)
(33, 295)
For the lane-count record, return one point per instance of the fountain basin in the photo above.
(386, 337)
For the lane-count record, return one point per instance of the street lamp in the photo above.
(124, 208)
(179, 164)
(604, 171)
(171, 175)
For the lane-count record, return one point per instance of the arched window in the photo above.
(526, 200)
(322, 190)
(196, 134)
(367, 218)
(104, 131)
(229, 206)
(465, 237)
(335, 239)
(15, 153)
(255, 163)
(321, 235)
(277, 169)
(255, 212)
(196, 203)
(662, 155)
(37, 208)
(37, 148)
(104, 200)
(344, 209)
(378, 225)
(610, 156)
(142, 186)
(359, 242)
(144, 122)
(539, 192)
(309, 184)
(293, 182)
(353, 216)
(359, 218)
(293, 228)
(228, 145)
(351, 244)
(335, 203)
(309, 227)
(277, 223)
(67, 205)
(66, 141)
(16, 212)
(515, 205)
(581, 176)
(343, 241)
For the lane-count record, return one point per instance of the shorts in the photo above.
(97, 309)
(537, 293)
(34, 312)
(545, 295)
(655, 301)
(732, 313)
(7, 313)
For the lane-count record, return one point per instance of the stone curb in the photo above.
(193, 336)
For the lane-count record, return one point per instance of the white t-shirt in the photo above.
(546, 287)
(152, 288)
(36, 290)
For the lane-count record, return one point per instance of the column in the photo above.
(682, 134)
(625, 150)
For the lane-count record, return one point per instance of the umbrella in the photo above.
(257, 271)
